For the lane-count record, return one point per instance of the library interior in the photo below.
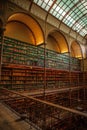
(43, 64)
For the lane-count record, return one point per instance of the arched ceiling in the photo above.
(71, 12)
(76, 50)
(61, 42)
(52, 44)
(30, 23)
(19, 31)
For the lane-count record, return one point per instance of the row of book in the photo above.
(18, 52)
(23, 79)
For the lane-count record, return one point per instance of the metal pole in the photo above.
(84, 91)
(1, 53)
(70, 91)
(45, 46)
(44, 70)
(3, 13)
(44, 91)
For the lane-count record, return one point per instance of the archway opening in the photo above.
(76, 50)
(25, 28)
(57, 42)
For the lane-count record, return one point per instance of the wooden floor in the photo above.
(10, 121)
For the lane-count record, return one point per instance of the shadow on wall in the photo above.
(57, 42)
(25, 28)
(76, 50)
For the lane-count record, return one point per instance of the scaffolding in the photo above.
(43, 114)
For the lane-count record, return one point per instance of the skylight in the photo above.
(72, 12)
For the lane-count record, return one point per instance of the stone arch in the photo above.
(56, 41)
(24, 27)
(76, 50)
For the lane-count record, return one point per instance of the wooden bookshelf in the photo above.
(23, 67)
(21, 77)
(19, 52)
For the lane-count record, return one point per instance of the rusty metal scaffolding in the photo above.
(32, 110)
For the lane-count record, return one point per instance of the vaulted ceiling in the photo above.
(73, 13)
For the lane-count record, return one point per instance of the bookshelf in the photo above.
(21, 77)
(19, 52)
(6, 78)
(23, 67)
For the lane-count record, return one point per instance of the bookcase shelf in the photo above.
(19, 77)
(18, 52)
(23, 67)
